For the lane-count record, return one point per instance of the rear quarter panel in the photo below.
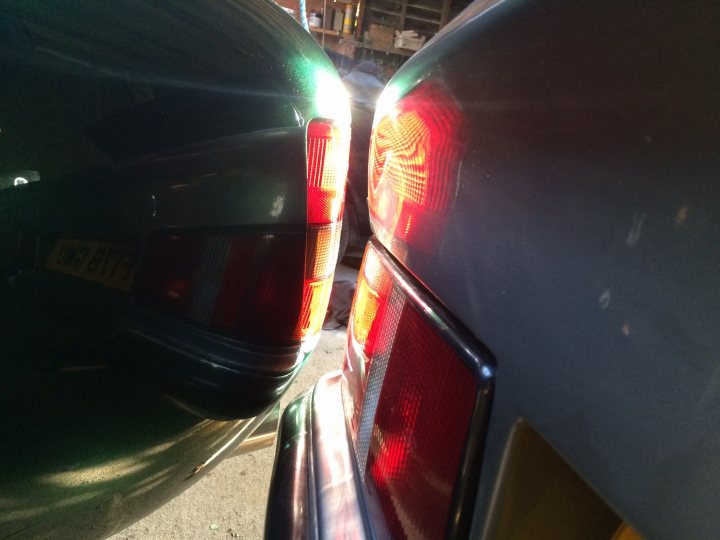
(582, 244)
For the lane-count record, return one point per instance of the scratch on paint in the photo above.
(604, 299)
(682, 215)
(636, 230)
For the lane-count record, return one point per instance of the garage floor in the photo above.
(230, 501)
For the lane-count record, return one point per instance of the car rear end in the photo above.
(171, 192)
(531, 348)
(383, 441)
(185, 195)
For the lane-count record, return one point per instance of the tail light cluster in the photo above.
(268, 288)
(413, 394)
(414, 158)
(328, 147)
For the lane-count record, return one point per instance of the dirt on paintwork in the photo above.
(229, 502)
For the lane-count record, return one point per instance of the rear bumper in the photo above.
(314, 491)
(203, 372)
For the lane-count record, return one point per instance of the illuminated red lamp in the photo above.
(411, 445)
(420, 430)
(414, 158)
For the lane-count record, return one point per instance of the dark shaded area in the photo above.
(128, 119)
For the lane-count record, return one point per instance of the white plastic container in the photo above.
(315, 20)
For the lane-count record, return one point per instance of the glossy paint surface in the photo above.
(118, 121)
(581, 246)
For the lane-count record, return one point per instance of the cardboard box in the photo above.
(381, 36)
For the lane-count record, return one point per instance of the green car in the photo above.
(172, 178)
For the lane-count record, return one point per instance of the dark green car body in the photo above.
(121, 123)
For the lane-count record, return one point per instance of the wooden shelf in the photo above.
(386, 50)
(423, 16)
(383, 11)
(416, 6)
(326, 32)
(426, 8)
(423, 19)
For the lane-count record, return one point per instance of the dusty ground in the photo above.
(230, 501)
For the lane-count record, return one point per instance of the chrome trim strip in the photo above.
(263, 436)
(248, 428)
(339, 508)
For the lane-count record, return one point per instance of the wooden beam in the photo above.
(445, 15)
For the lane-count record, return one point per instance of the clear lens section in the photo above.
(328, 148)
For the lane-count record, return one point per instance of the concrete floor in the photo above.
(230, 501)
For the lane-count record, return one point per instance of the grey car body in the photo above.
(581, 252)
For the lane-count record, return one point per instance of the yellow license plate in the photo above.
(112, 265)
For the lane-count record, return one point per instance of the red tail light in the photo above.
(245, 286)
(327, 146)
(412, 395)
(414, 158)
(265, 288)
